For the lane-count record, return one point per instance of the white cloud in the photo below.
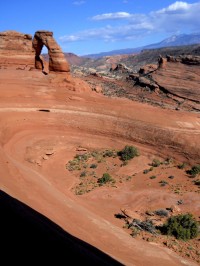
(78, 3)
(177, 17)
(175, 7)
(117, 15)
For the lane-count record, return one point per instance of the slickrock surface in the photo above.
(46, 120)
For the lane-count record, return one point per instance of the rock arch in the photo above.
(57, 61)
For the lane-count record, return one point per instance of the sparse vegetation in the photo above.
(146, 171)
(128, 153)
(83, 174)
(93, 165)
(168, 161)
(182, 226)
(182, 165)
(155, 163)
(197, 182)
(194, 171)
(136, 226)
(161, 212)
(152, 177)
(163, 183)
(105, 179)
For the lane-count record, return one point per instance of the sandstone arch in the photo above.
(57, 61)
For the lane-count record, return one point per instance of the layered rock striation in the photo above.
(21, 51)
(57, 61)
(180, 76)
(176, 76)
(16, 50)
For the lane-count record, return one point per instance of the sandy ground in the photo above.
(45, 119)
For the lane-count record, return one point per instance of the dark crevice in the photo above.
(44, 110)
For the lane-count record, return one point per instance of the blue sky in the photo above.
(92, 26)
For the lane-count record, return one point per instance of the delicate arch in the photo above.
(57, 61)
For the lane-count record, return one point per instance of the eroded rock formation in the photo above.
(16, 50)
(180, 76)
(177, 76)
(57, 61)
(20, 51)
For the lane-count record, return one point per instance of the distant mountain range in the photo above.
(175, 40)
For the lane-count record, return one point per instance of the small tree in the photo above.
(129, 152)
(182, 226)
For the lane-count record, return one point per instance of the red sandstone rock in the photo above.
(57, 61)
(16, 50)
(180, 76)
(19, 51)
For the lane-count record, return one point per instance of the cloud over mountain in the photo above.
(176, 18)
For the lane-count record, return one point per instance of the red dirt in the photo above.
(36, 146)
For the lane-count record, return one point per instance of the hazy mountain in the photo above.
(175, 40)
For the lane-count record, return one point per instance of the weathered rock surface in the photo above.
(20, 51)
(180, 76)
(57, 61)
(177, 77)
(16, 50)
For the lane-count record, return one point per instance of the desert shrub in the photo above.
(194, 171)
(148, 170)
(105, 179)
(109, 153)
(152, 177)
(168, 161)
(182, 226)
(93, 165)
(82, 157)
(171, 177)
(155, 163)
(129, 152)
(182, 165)
(197, 182)
(161, 212)
(163, 183)
(83, 174)
(142, 226)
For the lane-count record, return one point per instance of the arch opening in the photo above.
(57, 61)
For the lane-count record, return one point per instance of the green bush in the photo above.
(105, 179)
(194, 171)
(182, 226)
(129, 152)
(182, 165)
(93, 165)
(155, 163)
(83, 174)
